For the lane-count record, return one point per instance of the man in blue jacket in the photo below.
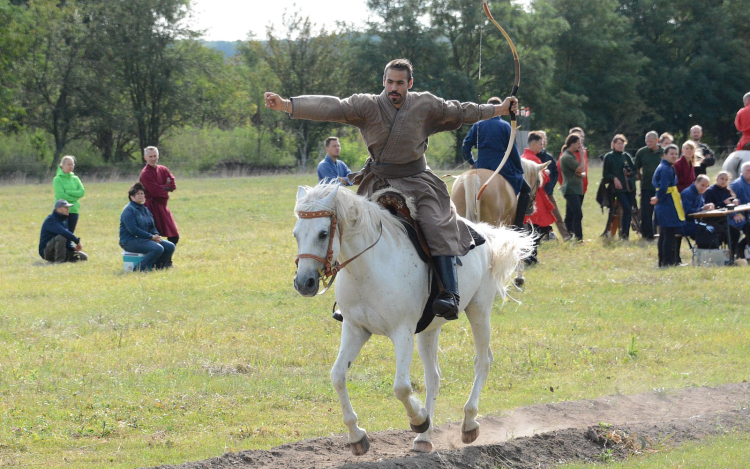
(331, 169)
(491, 138)
(56, 242)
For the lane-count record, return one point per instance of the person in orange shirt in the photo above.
(742, 122)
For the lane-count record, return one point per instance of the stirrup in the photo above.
(446, 306)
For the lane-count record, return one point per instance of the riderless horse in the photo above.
(383, 289)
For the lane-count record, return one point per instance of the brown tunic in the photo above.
(397, 140)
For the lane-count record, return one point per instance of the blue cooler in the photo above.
(130, 260)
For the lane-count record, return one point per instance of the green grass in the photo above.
(104, 369)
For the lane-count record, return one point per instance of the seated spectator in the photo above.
(56, 242)
(693, 202)
(720, 195)
(741, 189)
(138, 233)
(684, 166)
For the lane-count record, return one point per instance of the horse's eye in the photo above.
(323, 235)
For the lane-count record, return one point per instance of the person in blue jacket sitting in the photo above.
(693, 202)
(138, 232)
(56, 242)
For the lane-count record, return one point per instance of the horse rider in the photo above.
(395, 126)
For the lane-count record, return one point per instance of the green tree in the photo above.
(15, 24)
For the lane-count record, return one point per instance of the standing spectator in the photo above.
(582, 156)
(665, 139)
(56, 242)
(704, 151)
(668, 205)
(542, 218)
(549, 188)
(159, 182)
(331, 169)
(646, 161)
(742, 122)
(620, 170)
(720, 195)
(741, 189)
(573, 174)
(491, 138)
(684, 166)
(68, 187)
(138, 233)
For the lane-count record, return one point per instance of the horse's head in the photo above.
(533, 175)
(317, 241)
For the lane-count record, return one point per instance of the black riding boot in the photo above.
(524, 197)
(446, 303)
(676, 256)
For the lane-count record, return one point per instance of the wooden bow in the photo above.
(514, 91)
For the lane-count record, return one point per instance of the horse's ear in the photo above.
(301, 192)
(544, 165)
(330, 199)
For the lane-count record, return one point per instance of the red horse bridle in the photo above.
(330, 267)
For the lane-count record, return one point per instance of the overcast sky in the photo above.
(231, 20)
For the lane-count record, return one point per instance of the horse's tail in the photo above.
(471, 189)
(508, 248)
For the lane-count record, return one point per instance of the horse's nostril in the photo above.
(310, 284)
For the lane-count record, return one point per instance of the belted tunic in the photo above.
(397, 140)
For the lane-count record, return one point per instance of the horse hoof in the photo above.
(422, 447)
(421, 428)
(360, 447)
(519, 282)
(470, 436)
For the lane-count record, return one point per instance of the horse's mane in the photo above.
(528, 171)
(357, 215)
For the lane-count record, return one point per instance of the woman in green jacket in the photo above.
(68, 186)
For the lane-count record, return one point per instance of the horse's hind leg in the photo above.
(352, 340)
(479, 317)
(427, 344)
(403, 342)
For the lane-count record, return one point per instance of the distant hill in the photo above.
(228, 48)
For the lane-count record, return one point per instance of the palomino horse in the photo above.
(384, 290)
(497, 206)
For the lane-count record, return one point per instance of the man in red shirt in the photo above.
(159, 182)
(742, 122)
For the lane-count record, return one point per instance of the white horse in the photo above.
(384, 290)
(734, 161)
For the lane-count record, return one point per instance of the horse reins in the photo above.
(330, 268)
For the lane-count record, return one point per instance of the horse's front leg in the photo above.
(427, 344)
(352, 340)
(403, 342)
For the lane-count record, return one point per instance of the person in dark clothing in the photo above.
(491, 139)
(138, 233)
(620, 170)
(56, 242)
(704, 156)
(720, 195)
(646, 161)
(667, 205)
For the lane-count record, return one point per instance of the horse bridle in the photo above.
(330, 267)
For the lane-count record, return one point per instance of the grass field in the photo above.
(104, 369)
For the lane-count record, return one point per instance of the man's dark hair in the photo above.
(570, 140)
(671, 146)
(400, 64)
(576, 130)
(495, 100)
(534, 136)
(331, 139)
(135, 188)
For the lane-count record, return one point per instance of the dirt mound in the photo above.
(529, 437)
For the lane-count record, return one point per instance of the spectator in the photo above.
(549, 188)
(704, 156)
(667, 205)
(741, 189)
(158, 182)
(665, 139)
(684, 166)
(542, 218)
(693, 202)
(331, 169)
(68, 187)
(491, 139)
(56, 242)
(573, 174)
(646, 161)
(582, 156)
(720, 195)
(138, 232)
(620, 171)
(742, 122)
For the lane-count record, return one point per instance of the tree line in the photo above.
(120, 76)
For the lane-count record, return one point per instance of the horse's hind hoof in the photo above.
(360, 447)
(421, 428)
(422, 447)
(519, 282)
(470, 436)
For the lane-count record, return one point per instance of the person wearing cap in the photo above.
(138, 232)
(56, 242)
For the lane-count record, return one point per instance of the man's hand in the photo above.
(344, 180)
(510, 104)
(618, 184)
(276, 102)
(708, 206)
(739, 218)
(78, 247)
(654, 200)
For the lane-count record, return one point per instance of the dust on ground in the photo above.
(538, 436)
